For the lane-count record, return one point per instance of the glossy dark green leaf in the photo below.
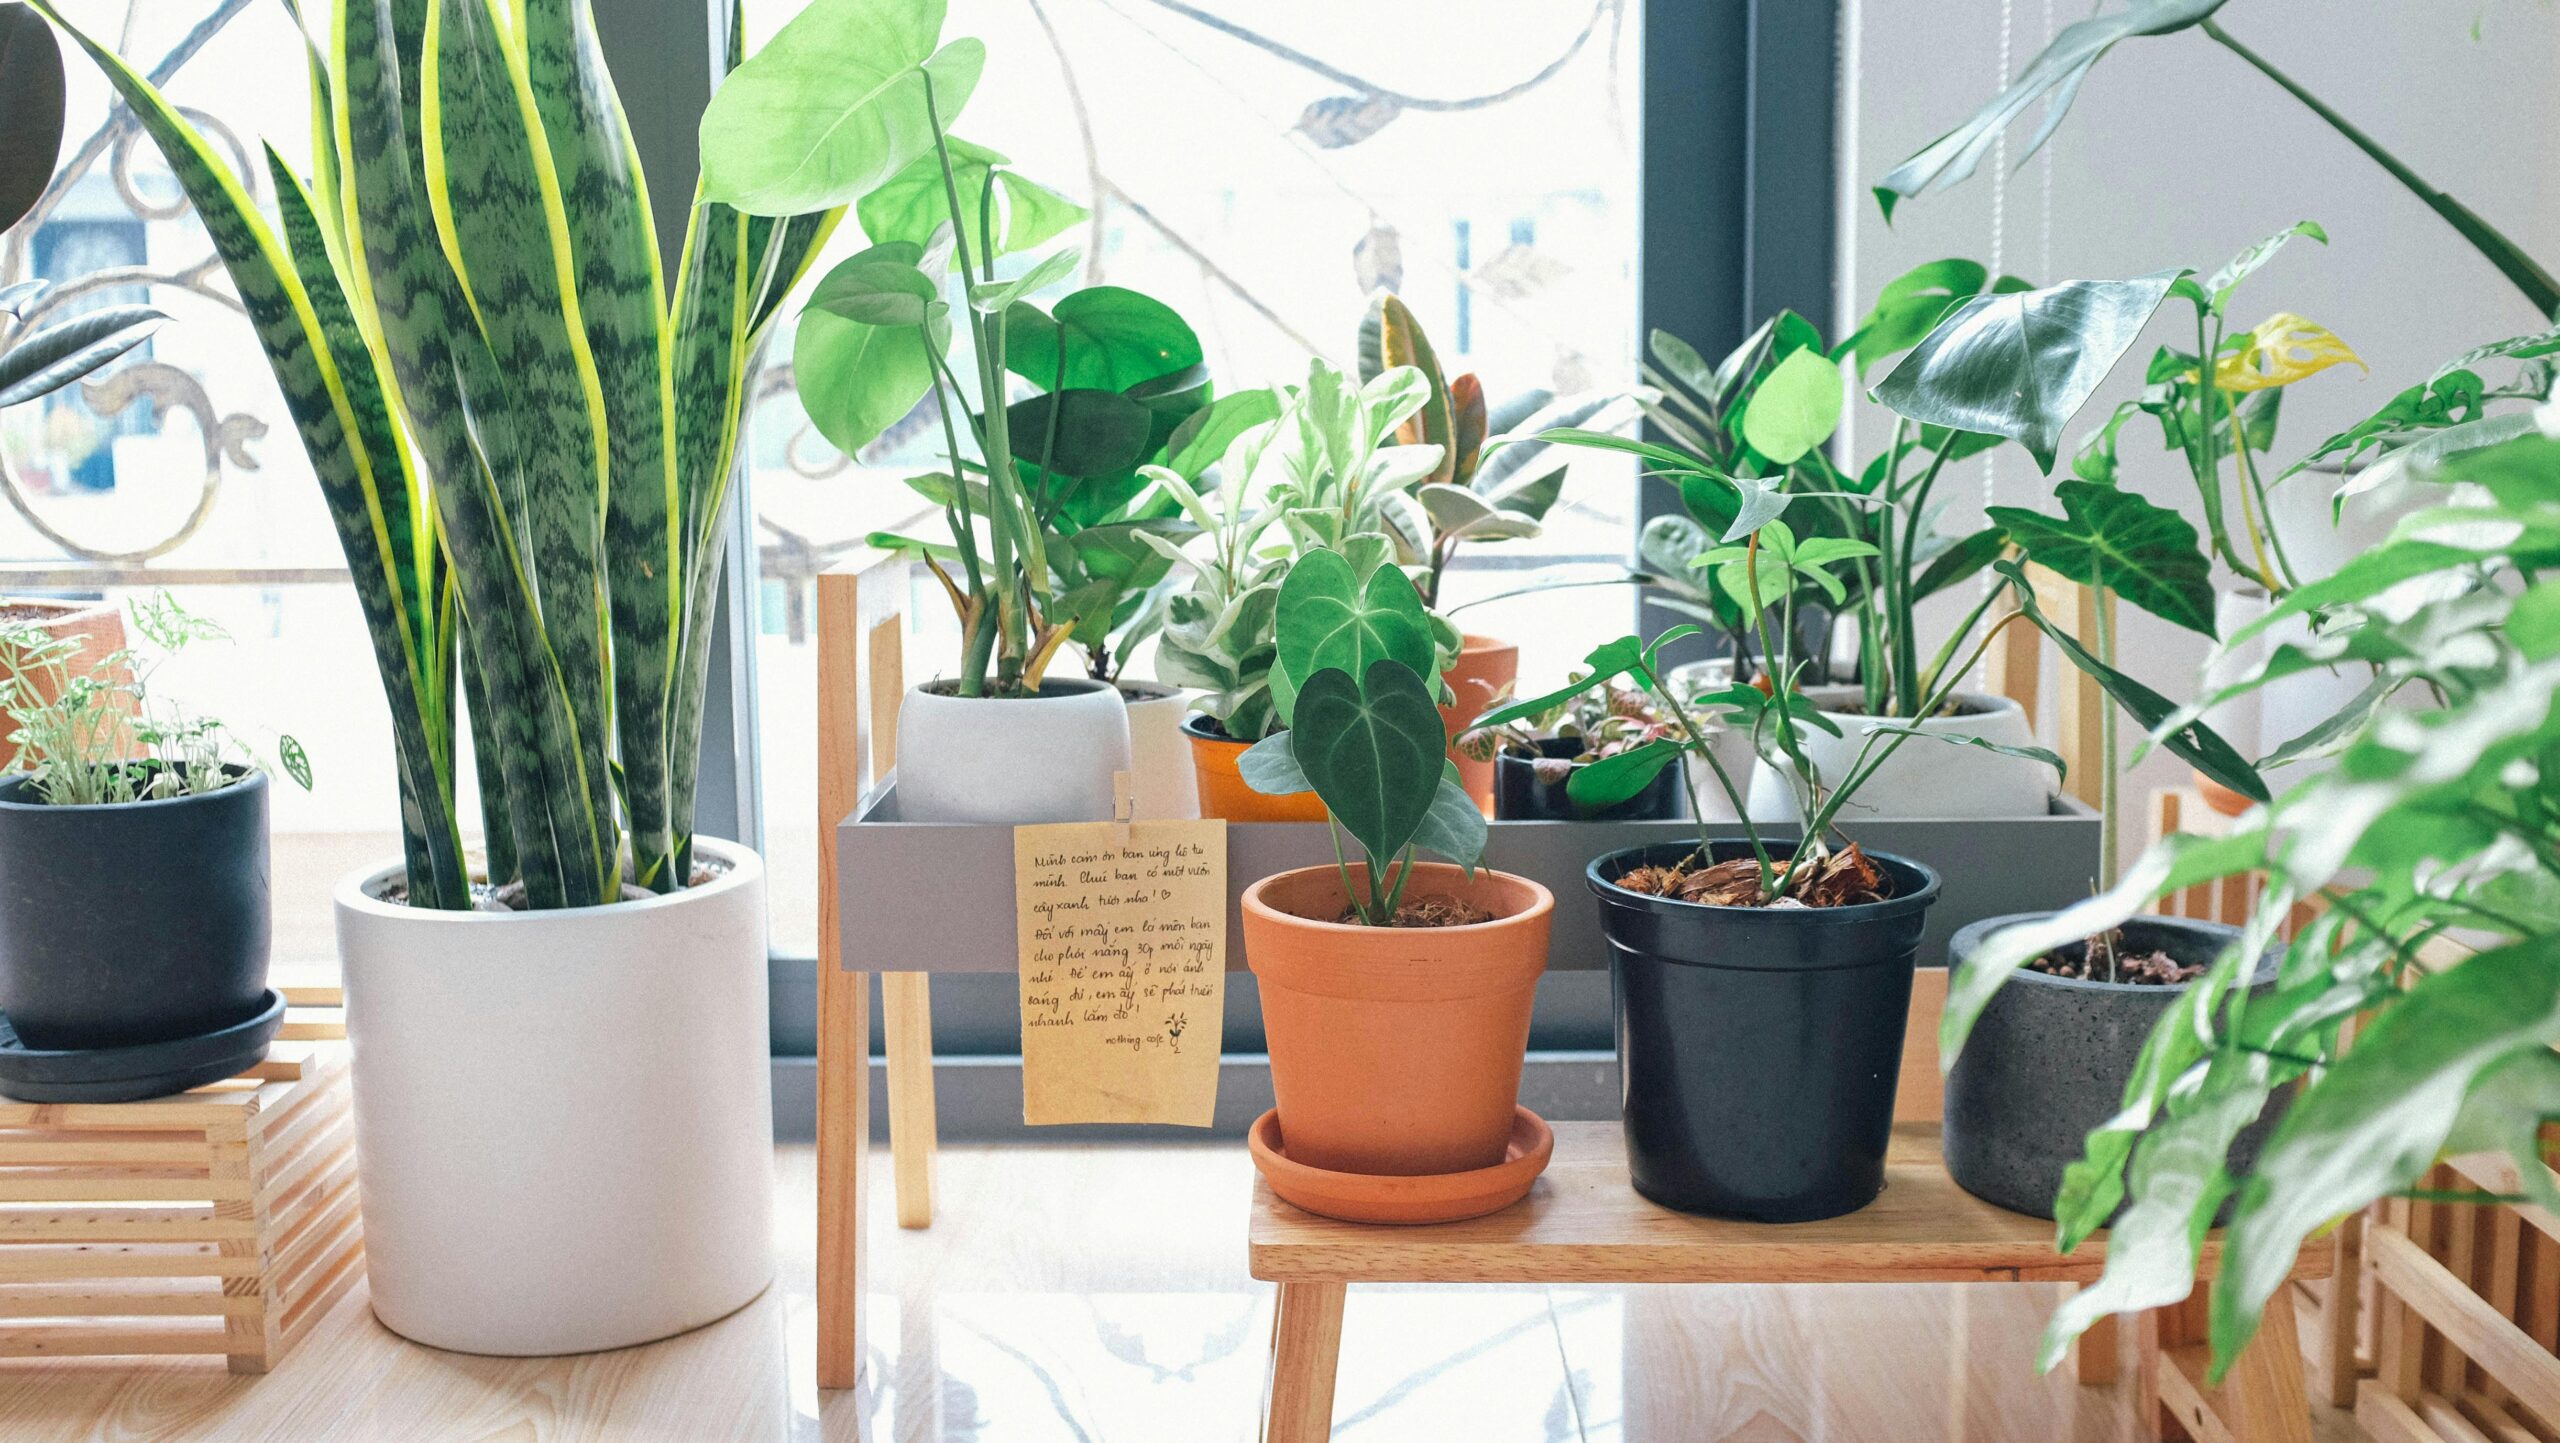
(2022, 364)
(1373, 752)
(1080, 432)
(1112, 338)
(1613, 779)
(2118, 542)
(55, 355)
(1454, 825)
(31, 109)
(1332, 618)
(1202, 439)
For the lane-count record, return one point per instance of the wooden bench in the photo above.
(1583, 1224)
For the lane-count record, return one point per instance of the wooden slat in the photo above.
(56, 1340)
(2467, 1323)
(117, 1225)
(906, 1007)
(112, 1188)
(88, 1301)
(42, 1151)
(1584, 1223)
(2495, 1423)
(1306, 1346)
(48, 1263)
(2385, 1419)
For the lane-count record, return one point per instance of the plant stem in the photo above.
(2266, 508)
(1908, 685)
(2520, 269)
(2107, 843)
(1698, 740)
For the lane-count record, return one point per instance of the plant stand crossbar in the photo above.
(1585, 1224)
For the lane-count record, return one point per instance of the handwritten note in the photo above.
(1122, 928)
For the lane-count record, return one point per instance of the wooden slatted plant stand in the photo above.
(216, 1222)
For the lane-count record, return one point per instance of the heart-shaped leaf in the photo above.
(856, 379)
(1331, 618)
(910, 205)
(1096, 433)
(878, 289)
(2022, 364)
(1106, 337)
(31, 108)
(1373, 752)
(2116, 541)
(1271, 768)
(1795, 409)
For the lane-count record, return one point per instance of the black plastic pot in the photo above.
(2049, 1058)
(132, 924)
(1758, 1048)
(1521, 795)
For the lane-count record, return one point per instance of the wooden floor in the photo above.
(1088, 1294)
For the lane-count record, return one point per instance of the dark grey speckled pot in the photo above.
(2049, 1059)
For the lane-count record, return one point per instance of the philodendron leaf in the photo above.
(2200, 746)
(2116, 541)
(1271, 768)
(1331, 619)
(1960, 560)
(878, 288)
(2022, 364)
(2056, 72)
(1795, 409)
(1454, 826)
(1614, 779)
(31, 109)
(2219, 286)
(833, 105)
(1373, 752)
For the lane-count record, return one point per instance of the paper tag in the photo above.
(1122, 929)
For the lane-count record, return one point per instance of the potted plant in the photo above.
(134, 924)
(37, 360)
(561, 1058)
(1396, 992)
(1489, 486)
(1535, 758)
(1314, 477)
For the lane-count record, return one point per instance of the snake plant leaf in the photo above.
(31, 110)
(1104, 338)
(857, 380)
(1330, 616)
(2382, 1113)
(2198, 745)
(1454, 825)
(834, 105)
(2218, 287)
(1373, 751)
(2055, 73)
(1390, 337)
(1613, 779)
(909, 206)
(2117, 541)
(1079, 432)
(53, 356)
(2022, 364)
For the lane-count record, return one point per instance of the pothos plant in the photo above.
(1312, 479)
(1355, 682)
(2440, 816)
(851, 103)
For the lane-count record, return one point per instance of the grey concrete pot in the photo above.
(2049, 1059)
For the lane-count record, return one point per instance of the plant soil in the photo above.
(23, 611)
(1841, 879)
(2086, 962)
(1427, 912)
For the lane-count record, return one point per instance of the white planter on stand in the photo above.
(1165, 785)
(564, 1119)
(1922, 778)
(1009, 761)
(1732, 747)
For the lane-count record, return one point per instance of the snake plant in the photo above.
(525, 432)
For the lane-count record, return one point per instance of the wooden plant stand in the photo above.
(1584, 1224)
(219, 1221)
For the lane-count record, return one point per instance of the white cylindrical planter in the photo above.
(1923, 778)
(564, 1120)
(1164, 784)
(1007, 761)
(1731, 746)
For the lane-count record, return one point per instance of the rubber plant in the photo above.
(2442, 813)
(828, 114)
(525, 432)
(1356, 675)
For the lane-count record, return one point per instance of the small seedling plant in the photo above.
(1355, 684)
(100, 736)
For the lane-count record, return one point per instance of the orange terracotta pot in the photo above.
(1485, 666)
(2219, 797)
(98, 626)
(1396, 1051)
(1222, 789)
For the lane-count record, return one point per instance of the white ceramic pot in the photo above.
(1922, 779)
(1164, 785)
(1005, 762)
(1732, 748)
(564, 1120)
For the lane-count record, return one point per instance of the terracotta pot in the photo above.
(1396, 1051)
(1222, 789)
(1485, 667)
(97, 625)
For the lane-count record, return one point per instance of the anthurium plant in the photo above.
(2441, 816)
(525, 431)
(1356, 685)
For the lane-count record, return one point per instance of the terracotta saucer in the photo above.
(1441, 1198)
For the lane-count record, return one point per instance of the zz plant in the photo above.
(525, 430)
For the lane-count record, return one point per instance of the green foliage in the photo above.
(50, 357)
(100, 736)
(2117, 542)
(31, 106)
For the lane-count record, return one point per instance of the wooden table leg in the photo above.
(2094, 1355)
(2263, 1395)
(2262, 1398)
(844, 1145)
(906, 1015)
(1306, 1343)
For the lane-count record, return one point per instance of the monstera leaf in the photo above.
(913, 203)
(31, 103)
(1330, 617)
(858, 378)
(2118, 542)
(2057, 73)
(2021, 364)
(1373, 751)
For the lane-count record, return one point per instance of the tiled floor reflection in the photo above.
(1099, 1295)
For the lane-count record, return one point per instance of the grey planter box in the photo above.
(933, 897)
